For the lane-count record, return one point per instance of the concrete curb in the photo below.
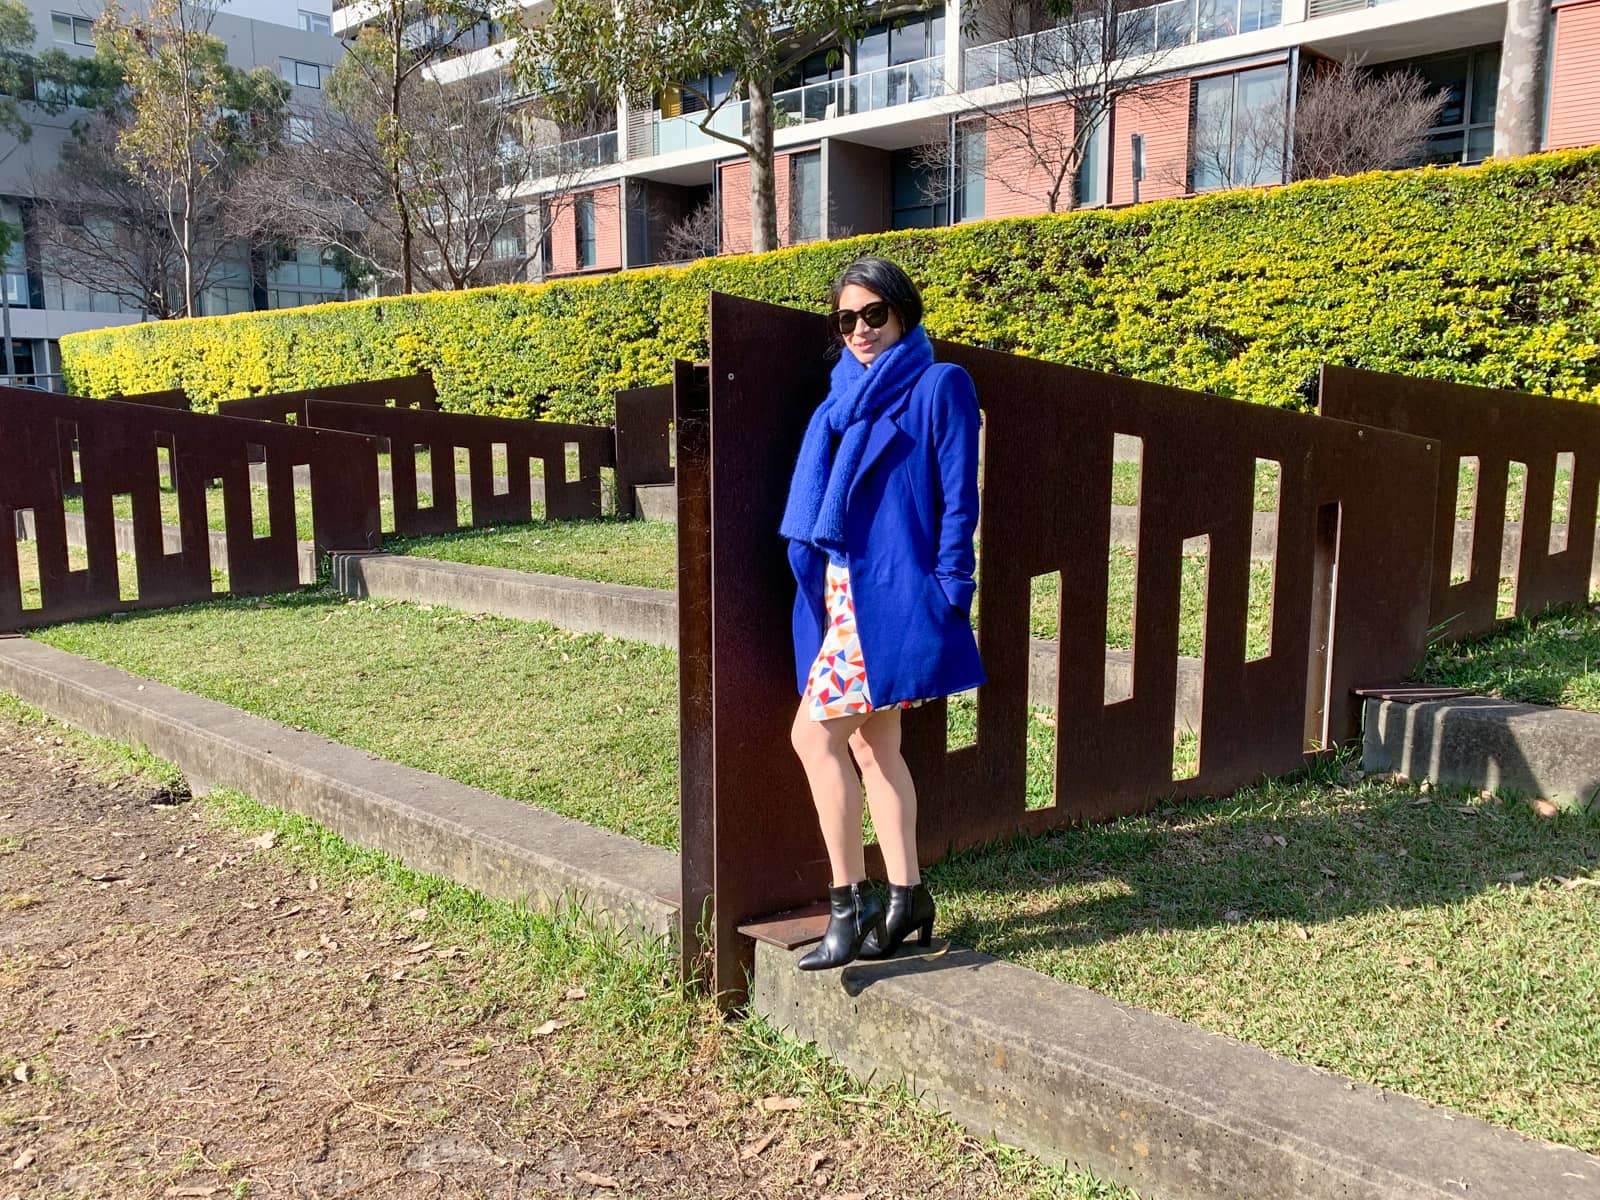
(644, 614)
(504, 849)
(1484, 743)
(1141, 1098)
(1059, 1070)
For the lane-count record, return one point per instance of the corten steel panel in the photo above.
(405, 429)
(175, 398)
(400, 391)
(119, 448)
(1048, 439)
(768, 373)
(1499, 428)
(644, 438)
(692, 406)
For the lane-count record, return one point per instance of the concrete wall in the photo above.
(1574, 118)
(855, 179)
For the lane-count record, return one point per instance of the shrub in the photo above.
(1488, 275)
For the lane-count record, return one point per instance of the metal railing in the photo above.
(1156, 29)
(869, 91)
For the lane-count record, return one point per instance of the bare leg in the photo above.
(890, 792)
(835, 789)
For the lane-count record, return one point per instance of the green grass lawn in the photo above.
(642, 553)
(1428, 944)
(583, 725)
(1440, 946)
(1552, 659)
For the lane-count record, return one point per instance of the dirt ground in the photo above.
(182, 1014)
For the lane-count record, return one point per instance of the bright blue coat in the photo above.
(910, 515)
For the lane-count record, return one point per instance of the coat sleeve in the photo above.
(955, 444)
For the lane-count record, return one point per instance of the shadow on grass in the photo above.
(1306, 850)
(1553, 658)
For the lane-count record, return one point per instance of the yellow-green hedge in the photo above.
(1488, 276)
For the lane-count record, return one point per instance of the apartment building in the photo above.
(897, 128)
(293, 38)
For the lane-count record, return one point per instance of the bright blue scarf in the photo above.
(817, 491)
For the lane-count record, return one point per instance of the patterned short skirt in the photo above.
(837, 685)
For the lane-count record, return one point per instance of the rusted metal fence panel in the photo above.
(1348, 604)
(644, 441)
(49, 443)
(401, 391)
(173, 398)
(570, 489)
(1554, 562)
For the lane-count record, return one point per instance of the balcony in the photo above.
(572, 158)
(1158, 29)
(869, 91)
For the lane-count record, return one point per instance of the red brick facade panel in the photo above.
(735, 186)
(608, 228)
(1022, 152)
(1160, 114)
(563, 238)
(1575, 77)
(607, 203)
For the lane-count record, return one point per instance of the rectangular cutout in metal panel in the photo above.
(1324, 607)
(1194, 588)
(28, 556)
(574, 471)
(1264, 579)
(1561, 502)
(1516, 505)
(497, 468)
(1122, 564)
(260, 512)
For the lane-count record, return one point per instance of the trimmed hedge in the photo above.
(1488, 275)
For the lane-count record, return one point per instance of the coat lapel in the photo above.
(885, 429)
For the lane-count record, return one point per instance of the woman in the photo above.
(881, 514)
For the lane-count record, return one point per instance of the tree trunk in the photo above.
(1520, 100)
(396, 184)
(763, 177)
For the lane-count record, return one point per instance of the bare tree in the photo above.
(440, 207)
(693, 236)
(1053, 78)
(1349, 120)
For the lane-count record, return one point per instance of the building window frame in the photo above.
(1231, 172)
(1475, 81)
(70, 30)
(969, 161)
(805, 210)
(583, 226)
(304, 74)
(315, 22)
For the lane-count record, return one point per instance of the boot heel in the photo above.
(925, 937)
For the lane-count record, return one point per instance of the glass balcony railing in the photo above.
(572, 157)
(1156, 29)
(684, 133)
(866, 92)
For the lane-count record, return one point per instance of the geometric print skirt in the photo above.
(837, 684)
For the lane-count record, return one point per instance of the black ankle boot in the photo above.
(854, 914)
(910, 908)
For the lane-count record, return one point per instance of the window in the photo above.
(507, 243)
(315, 22)
(900, 40)
(805, 196)
(72, 31)
(1237, 129)
(682, 100)
(913, 185)
(1090, 184)
(16, 259)
(583, 212)
(301, 129)
(303, 74)
(971, 152)
(1468, 82)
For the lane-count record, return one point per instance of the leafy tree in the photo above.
(191, 121)
(588, 51)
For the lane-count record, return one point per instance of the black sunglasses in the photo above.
(876, 315)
